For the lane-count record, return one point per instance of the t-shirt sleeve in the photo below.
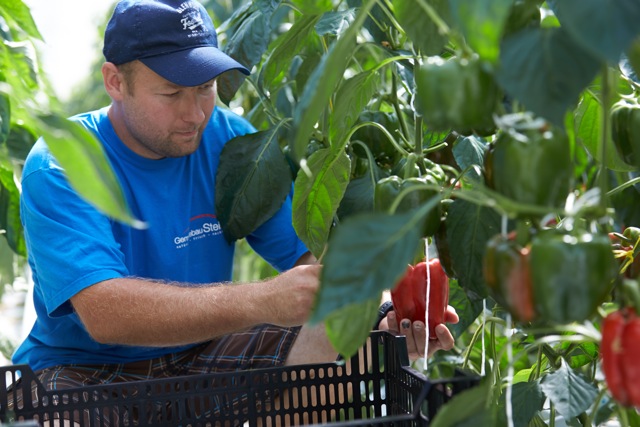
(276, 240)
(71, 242)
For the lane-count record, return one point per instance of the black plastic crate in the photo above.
(387, 391)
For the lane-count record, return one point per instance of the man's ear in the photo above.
(113, 81)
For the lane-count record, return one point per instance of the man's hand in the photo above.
(416, 333)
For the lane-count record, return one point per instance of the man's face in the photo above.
(161, 119)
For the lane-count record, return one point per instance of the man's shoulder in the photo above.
(224, 117)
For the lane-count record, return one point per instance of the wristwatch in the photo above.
(385, 308)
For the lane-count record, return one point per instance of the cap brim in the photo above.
(193, 67)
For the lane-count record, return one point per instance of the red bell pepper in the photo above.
(409, 296)
(619, 350)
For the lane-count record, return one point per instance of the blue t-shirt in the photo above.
(71, 245)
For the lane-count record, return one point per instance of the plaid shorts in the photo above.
(261, 347)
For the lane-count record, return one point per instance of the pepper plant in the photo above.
(497, 116)
(498, 112)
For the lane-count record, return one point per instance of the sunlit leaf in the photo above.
(86, 166)
(287, 46)
(316, 198)
(323, 81)
(353, 94)
(18, 12)
(588, 122)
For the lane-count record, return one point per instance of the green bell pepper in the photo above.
(572, 274)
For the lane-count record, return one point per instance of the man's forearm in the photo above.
(141, 312)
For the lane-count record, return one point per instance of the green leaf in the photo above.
(18, 12)
(247, 44)
(252, 182)
(314, 7)
(469, 227)
(352, 96)
(5, 117)
(545, 70)
(86, 166)
(605, 28)
(335, 23)
(10, 212)
(469, 151)
(349, 327)
(570, 394)
(287, 46)
(316, 198)
(367, 254)
(20, 64)
(588, 123)
(467, 408)
(323, 81)
(358, 197)
(468, 306)
(527, 400)
(481, 22)
(417, 23)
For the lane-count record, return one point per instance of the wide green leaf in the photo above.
(605, 28)
(18, 12)
(86, 166)
(588, 123)
(469, 227)
(481, 22)
(527, 400)
(252, 182)
(352, 96)
(470, 408)
(417, 22)
(570, 393)
(367, 254)
(316, 197)
(545, 70)
(321, 84)
(469, 152)
(349, 327)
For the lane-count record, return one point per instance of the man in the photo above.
(116, 303)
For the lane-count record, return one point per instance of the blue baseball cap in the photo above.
(174, 38)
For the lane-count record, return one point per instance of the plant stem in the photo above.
(604, 136)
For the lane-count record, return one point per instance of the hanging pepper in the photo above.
(507, 273)
(572, 274)
(409, 296)
(625, 131)
(457, 94)
(530, 162)
(619, 350)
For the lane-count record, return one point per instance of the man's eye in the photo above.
(171, 94)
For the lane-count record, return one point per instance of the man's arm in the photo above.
(136, 311)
